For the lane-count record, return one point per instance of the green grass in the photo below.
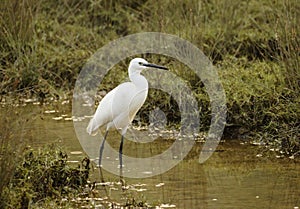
(42, 175)
(43, 178)
(13, 137)
(254, 44)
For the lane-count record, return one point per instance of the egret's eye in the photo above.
(140, 63)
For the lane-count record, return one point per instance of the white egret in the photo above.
(118, 108)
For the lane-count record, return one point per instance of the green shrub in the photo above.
(13, 137)
(255, 44)
(45, 173)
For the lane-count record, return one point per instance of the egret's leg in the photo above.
(121, 152)
(102, 147)
(121, 160)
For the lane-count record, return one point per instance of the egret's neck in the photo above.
(139, 80)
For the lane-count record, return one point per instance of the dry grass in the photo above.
(13, 138)
(255, 44)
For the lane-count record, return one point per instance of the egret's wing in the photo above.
(103, 114)
(121, 98)
(127, 100)
(119, 106)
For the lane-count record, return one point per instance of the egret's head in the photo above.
(138, 64)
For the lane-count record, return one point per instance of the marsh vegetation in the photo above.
(254, 44)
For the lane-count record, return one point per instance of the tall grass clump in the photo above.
(13, 137)
(286, 126)
(41, 51)
(254, 44)
(17, 46)
(287, 35)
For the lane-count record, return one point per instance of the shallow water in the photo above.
(238, 175)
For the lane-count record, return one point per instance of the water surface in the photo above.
(238, 175)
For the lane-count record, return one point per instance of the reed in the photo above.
(13, 138)
(254, 44)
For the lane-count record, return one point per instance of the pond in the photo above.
(237, 175)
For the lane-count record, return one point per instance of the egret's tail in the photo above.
(92, 128)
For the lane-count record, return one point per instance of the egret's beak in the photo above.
(155, 66)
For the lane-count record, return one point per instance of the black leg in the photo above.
(121, 160)
(121, 152)
(101, 148)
